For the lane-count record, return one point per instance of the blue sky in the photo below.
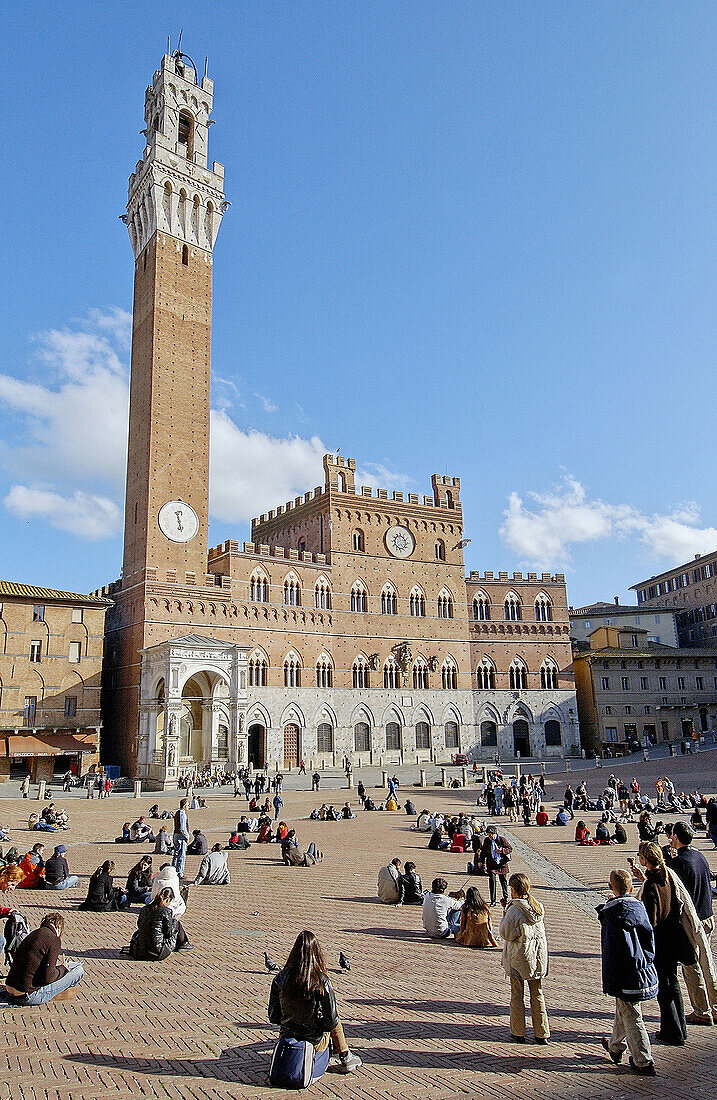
(465, 238)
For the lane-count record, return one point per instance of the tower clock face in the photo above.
(178, 521)
(400, 542)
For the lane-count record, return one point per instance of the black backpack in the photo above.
(16, 928)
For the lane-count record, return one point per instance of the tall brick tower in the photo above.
(174, 210)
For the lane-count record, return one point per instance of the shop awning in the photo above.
(51, 744)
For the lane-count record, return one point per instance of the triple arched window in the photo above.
(389, 600)
(513, 608)
(445, 604)
(485, 674)
(259, 587)
(258, 669)
(292, 670)
(518, 674)
(420, 674)
(417, 602)
(449, 674)
(391, 678)
(548, 674)
(359, 597)
(324, 672)
(481, 607)
(543, 608)
(292, 591)
(360, 672)
(322, 594)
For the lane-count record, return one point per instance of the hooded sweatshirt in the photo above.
(168, 877)
(628, 950)
(525, 947)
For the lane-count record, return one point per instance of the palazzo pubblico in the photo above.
(347, 626)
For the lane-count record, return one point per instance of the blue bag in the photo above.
(295, 1064)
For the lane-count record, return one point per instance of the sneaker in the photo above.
(541, 1041)
(659, 1038)
(348, 1062)
(617, 1058)
(186, 947)
(695, 1018)
(643, 1071)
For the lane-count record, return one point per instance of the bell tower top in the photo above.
(172, 190)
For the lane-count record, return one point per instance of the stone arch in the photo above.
(325, 713)
(362, 713)
(451, 714)
(518, 709)
(393, 713)
(293, 715)
(422, 713)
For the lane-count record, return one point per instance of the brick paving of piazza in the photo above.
(428, 1019)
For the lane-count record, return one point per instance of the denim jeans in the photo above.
(180, 854)
(45, 993)
(66, 883)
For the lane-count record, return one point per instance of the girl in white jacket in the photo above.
(525, 958)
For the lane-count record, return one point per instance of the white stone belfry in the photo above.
(171, 189)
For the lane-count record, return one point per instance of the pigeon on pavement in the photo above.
(270, 965)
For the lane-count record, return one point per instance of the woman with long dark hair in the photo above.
(475, 930)
(159, 933)
(302, 1003)
(102, 895)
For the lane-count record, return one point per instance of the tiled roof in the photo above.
(33, 592)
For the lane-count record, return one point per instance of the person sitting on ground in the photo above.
(10, 877)
(213, 870)
(303, 1004)
(167, 878)
(561, 818)
(154, 810)
(293, 856)
(475, 927)
(645, 829)
(39, 971)
(163, 845)
(102, 895)
(620, 834)
(141, 832)
(541, 818)
(264, 835)
(391, 803)
(389, 883)
(323, 810)
(409, 808)
(582, 833)
(440, 839)
(238, 842)
(369, 803)
(602, 833)
(33, 868)
(126, 835)
(159, 933)
(422, 821)
(254, 805)
(696, 819)
(139, 880)
(347, 813)
(282, 830)
(243, 825)
(410, 886)
(199, 845)
(332, 815)
(441, 911)
(57, 872)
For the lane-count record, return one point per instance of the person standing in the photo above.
(277, 802)
(181, 838)
(628, 972)
(25, 786)
(525, 959)
(495, 855)
(302, 767)
(315, 781)
(568, 801)
(693, 870)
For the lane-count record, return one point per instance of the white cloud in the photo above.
(542, 535)
(117, 322)
(251, 472)
(82, 514)
(379, 477)
(267, 405)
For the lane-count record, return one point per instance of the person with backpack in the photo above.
(14, 932)
(495, 855)
(39, 971)
(303, 1004)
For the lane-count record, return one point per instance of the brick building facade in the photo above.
(347, 625)
(691, 591)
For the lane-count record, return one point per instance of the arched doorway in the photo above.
(521, 737)
(292, 745)
(257, 745)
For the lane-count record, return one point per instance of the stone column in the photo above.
(207, 732)
(422, 777)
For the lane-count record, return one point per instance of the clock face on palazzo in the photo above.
(400, 542)
(178, 521)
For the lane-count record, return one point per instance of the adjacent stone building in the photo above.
(691, 591)
(346, 626)
(659, 621)
(50, 671)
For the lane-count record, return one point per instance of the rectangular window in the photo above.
(608, 710)
(325, 737)
(74, 655)
(606, 683)
(70, 706)
(77, 613)
(423, 735)
(628, 710)
(611, 733)
(38, 613)
(663, 683)
(625, 683)
(680, 683)
(28, 711)
(393, 736)
(699, 683)
(646, 710)
(35, 652)
(643, 683)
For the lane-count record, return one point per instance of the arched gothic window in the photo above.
(518, 675)
(362, 737)
(423, 735)
(543, 608)
(292, 670)
(389, 600)
(420, 674)
(292, 591)
(390, 673)
(324, 672)
(450, 731)
(258, 669)
(440, 550)
(445, 604)
(485, 674)
(360, 672)
(393, 736)
(357, 541)
(417, 603)
(259, 587)
(513, 608)
(359, 597)
(481, 607)
(449, 674)
(322, 594)
(488, 734)
(548, 674)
